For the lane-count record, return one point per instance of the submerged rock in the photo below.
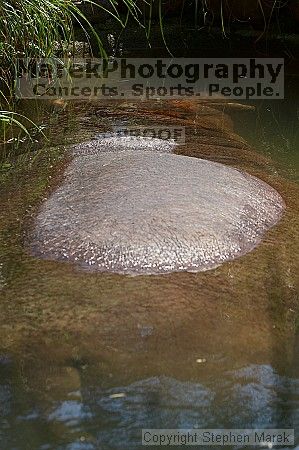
(138, 213)
(113, 142)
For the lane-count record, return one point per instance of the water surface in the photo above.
(87, 360)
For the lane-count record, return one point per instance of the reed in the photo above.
(38, 29)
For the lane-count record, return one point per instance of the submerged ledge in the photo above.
(138, 212)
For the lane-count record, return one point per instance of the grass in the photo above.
(32, 29)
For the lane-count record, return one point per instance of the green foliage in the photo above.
(35, 29)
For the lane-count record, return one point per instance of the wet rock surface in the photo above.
(127, 348)
(113, 142)
(140, 212)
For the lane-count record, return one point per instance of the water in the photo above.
(92, 415)
(88, 360)
(274, 130)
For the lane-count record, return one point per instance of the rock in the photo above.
(112, 142)
(139, 212)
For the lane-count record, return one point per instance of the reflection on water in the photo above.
(87, 360)
(95, 417)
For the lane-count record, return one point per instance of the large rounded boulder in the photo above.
(139, 212)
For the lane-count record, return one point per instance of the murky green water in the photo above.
(87, 360)
(274, 130)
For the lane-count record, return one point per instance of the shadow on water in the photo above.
(88, 360)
